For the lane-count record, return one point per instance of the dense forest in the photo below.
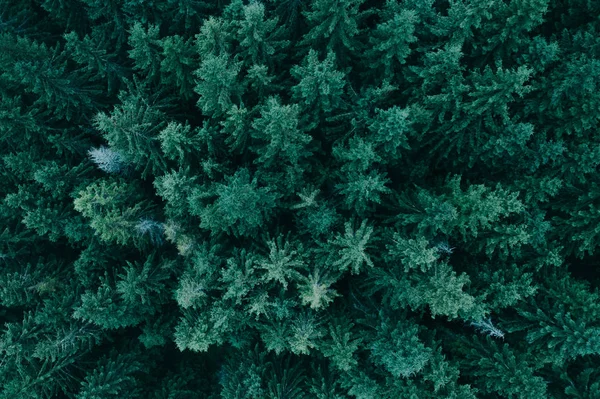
(288, 199)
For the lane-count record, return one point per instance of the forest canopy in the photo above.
(287, 199)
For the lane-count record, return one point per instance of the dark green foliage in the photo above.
(398, 350)
(277, 132)
(218, 84)
(502, 371)
(131, 128)
(330, 199)
(114, 208)
(112, 378)
(178, 64)
(320, 86)
(259, 37)
(240, 205)
(392, 37)
(334, 24)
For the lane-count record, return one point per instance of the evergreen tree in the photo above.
(218, 85)
(259, 36)
(240, 205)
(145, 51)
(178, 64)
(334, 24)
(114, 209)
(390, 42)
(320, 86)
(131, 129)
(278, 126)
(286, 199)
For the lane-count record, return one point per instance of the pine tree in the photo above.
(278, 136)
(315, 289)
(145, 49)
(260, 37)
(361, 190)
(334, 24)
(320, 86)
(93, 53)
(391, 39)
(513, 375)
(392, 128)
(341, 346)
(240, 206)
(114, 209)
(349, 250)
(397, 348)
(215, 37)
(113, 377)
(107, 160)
(131, 129)
(282, 263)
(177, 142)
(217, 84)
(286, 199)
(175, 187)
(178, 64)
(568, 326)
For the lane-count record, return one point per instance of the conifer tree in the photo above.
(278, 127)
(217, 84)
(391, 40)
(240, 205)
(260, 37)
(114, 209)
(291, 199)
(131, 129)
(320, 85)
(334, 24)
(178, 63)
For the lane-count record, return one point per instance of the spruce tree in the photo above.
(299, 199)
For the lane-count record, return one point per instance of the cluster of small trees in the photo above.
(281, 199)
